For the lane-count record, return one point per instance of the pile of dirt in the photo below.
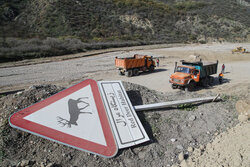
(243, 108)
(231, 148)
(171, 131)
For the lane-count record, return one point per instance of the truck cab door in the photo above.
(196, 75)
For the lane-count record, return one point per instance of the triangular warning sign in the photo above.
(75, 117)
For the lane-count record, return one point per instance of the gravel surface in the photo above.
(171, 131)
(101, 67)
(234, 144)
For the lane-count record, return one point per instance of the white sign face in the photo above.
(75, 115)
(126, 125)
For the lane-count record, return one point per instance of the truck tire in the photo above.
(205, 82)
(129, 73)
(174, 86)
(191, 86)
(120, 72)
(211, 81)
(151, 68)
(135, 72)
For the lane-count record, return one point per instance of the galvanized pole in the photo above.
(175, 103)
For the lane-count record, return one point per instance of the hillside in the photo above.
(102, 21)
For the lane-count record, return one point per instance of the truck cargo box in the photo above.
(136, 61)
(206, 68)
(132, 65)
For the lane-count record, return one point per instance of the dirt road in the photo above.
(101, 67)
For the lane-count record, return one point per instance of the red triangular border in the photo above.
(17, 120)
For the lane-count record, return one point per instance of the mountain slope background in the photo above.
(79, 25)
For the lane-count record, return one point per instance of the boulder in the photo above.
(243, 107)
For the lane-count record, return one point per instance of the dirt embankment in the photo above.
(171, 131)
(231, 148)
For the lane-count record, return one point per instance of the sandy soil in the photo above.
(230, 148)
(101, 67)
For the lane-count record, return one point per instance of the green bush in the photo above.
(189, 5)
(146, 4)
(187, 107)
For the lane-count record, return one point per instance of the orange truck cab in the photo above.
(190, 74)
(132, 65)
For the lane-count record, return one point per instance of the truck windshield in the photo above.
(183, 69)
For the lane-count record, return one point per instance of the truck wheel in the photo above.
(174, 86)
(205, 82)
(220, 80)
(151, 68)
(135, 72)
(120, 72)
(211, 81)
(129, 73)
(191, 86)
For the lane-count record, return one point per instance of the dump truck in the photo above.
(239, 50)
(190, 74)
(133, 65)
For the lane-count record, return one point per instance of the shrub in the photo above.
(19, 49)
(189, 5)
(13, 49)
(187, 107)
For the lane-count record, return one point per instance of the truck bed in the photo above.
(208, 63)
(131, 62)
(206, 68)
(209, 69)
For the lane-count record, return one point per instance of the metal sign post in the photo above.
(175, 103)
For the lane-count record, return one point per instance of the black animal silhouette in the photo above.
(74, 112)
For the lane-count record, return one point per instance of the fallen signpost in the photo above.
(175, 103)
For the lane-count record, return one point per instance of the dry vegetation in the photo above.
(99, 24)
(63, 26)
(15, 49)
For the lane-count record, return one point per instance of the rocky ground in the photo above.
(172, 131)
(231, 148)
